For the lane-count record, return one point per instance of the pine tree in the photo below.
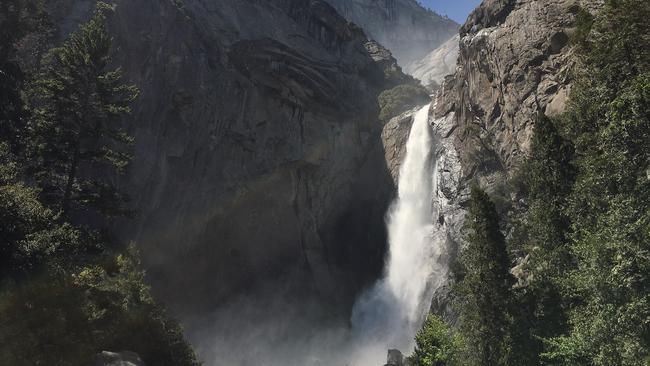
(75, 134)
(65, 293)
(435, 344)
(609, 123)
(484, 283)
(548, 176)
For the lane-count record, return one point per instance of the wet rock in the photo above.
(394, 136)
(395, 358)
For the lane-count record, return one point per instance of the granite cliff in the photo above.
(258, 157)
(405, 27)
(432, 68)
(515, 61)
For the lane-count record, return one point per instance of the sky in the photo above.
(457, 10)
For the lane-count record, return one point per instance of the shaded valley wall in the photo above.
(258, 160)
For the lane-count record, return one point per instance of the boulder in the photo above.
(395, 358)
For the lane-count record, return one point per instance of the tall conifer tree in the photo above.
(76, 132)
(483, 287)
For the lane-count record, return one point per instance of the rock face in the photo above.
(403, 26)
(514, 61)
(394, 358)
(394, 137)
(432, 69)
(258, 156)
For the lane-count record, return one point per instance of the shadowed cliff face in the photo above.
(403, 26)
(258, 157)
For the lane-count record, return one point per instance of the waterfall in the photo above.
(390, 313)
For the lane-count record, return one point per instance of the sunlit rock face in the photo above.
(432, 68)
(257, 156)
(405, 27)
(394, 136)
(515, 60)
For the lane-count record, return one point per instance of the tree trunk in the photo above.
(72, 174)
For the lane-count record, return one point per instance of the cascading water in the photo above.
(386, 316)
(389, 314)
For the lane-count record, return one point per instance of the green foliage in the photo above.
(436, 344)
(29, 233)
(587, 225)
(484, 284)
(609, 122)
(66, 291)
(609, 208)
(66, 320)
(400, 99)
(616, 47)
(547, 178)
(584, 22)
(64, 297)
(75, 131)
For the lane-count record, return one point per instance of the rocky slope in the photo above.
(258, 157)
(403, 26)
(432, 68)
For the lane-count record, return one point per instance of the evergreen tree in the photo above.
(75, 134)
(29, 235)
(435, 344)
(484, 284)
(609, 123)
(548, 176)
(65, 293)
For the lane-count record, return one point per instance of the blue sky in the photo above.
(457, 10)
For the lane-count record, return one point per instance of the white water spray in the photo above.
(390, 313)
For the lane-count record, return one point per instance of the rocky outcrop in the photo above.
(405, 27)
(258, 157)
(394, 136)
(515, 60)
(432, 69)
(394, 358)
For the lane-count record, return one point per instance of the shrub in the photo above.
(401, 98)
